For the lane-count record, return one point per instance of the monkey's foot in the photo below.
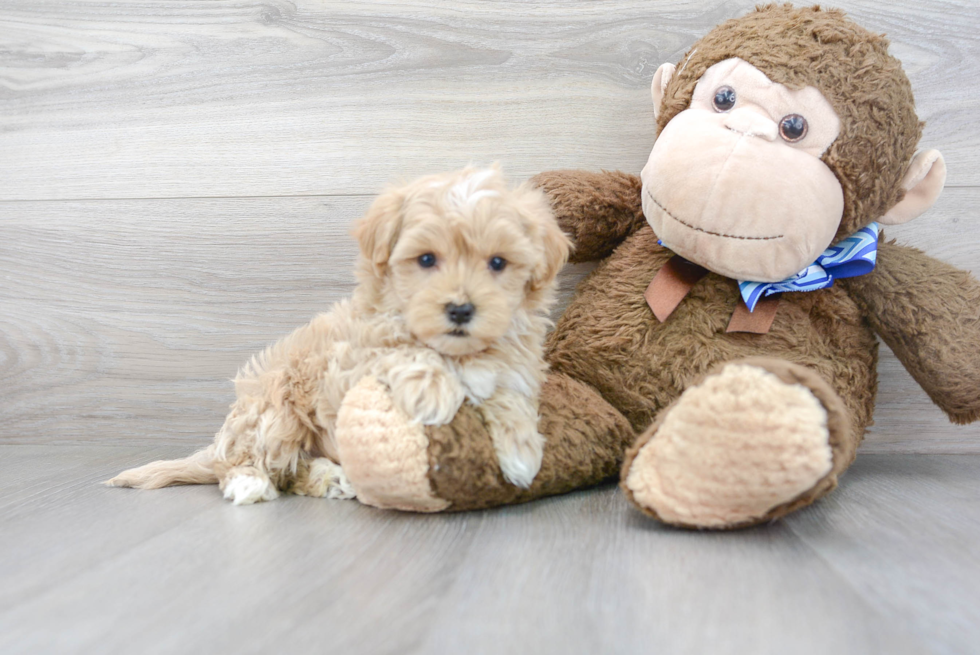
(751, 442)
(384, 454)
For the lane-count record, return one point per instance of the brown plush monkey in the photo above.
(781, 133)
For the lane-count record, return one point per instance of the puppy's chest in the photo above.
(480, 381)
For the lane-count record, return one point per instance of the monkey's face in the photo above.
(735, 182)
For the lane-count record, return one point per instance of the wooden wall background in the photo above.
(177, 178)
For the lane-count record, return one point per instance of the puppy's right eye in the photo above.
(428, 260)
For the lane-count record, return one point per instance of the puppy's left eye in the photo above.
(428, 260)
(497, 263)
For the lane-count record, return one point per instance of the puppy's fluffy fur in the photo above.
(279, 434)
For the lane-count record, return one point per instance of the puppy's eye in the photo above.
(497, 263)
(428, 260)
(724, 99)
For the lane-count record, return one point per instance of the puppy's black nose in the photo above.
(460, 314)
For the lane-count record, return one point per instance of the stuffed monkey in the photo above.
(723, 352)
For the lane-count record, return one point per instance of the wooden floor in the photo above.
(889, 564)
(177, 179)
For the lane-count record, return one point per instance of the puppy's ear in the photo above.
(377, 231)
(546, 235)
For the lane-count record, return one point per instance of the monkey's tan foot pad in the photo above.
(384, 454)
(734, 450)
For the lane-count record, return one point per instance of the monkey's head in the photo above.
(781, 133)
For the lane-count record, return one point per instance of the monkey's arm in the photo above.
(928, 313)
(597, 210)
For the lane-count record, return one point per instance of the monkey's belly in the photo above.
(609, 338)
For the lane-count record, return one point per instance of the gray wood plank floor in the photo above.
(888, 564)
(178, 178)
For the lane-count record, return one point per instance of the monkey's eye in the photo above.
(428, 260)
(497, 263)
(724, 98)
(792, 128)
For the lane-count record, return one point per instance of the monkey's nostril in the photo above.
(460, 314)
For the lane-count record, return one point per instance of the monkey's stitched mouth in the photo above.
(700, 229)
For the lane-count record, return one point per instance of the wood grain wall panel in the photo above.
(188, 99)
(123, 320)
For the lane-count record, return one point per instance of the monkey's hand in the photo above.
(928, 313)
(597, 210)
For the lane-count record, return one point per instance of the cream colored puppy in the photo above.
(456, 276)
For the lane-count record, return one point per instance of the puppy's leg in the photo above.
(240, 465)
(271, 423)
(321, 478)
(512, 419)
(423, 386)
(259, 449)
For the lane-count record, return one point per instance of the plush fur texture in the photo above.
(609, 199)
(610, 339)
(426, 247)
(585, 442)
(928, 313)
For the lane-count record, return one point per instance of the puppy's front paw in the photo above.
(431, 396)
(519, 455)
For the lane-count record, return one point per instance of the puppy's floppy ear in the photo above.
(544, 232)
(377, 231)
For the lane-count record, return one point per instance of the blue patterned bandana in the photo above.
(853, 256)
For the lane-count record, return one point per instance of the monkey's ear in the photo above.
(377, 232)
(922, 184)
(659, 85)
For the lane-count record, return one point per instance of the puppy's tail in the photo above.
(196, 469)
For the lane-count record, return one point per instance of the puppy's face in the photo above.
(458, 255)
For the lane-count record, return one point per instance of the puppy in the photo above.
(455, 278)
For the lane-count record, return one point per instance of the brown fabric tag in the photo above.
(756, 322)
(671, 284)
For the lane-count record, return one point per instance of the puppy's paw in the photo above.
(519, 454)
(244, 489)
(325, 479)
(429, 395)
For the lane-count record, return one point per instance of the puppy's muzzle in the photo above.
(460, 314)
